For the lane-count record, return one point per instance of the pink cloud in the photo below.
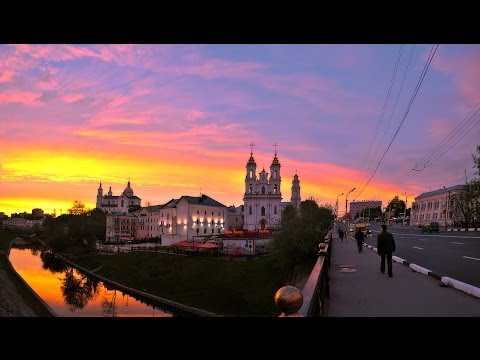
(6, 76)
(22, 97)
(439, 129)
(195, 116)
(71, 98)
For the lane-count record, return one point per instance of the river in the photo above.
(70, 293)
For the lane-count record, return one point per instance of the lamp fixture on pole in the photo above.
(346, 201)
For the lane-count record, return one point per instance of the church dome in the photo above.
(128, 191)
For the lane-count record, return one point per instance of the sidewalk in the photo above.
(367, 292)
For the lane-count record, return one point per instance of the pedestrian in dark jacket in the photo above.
(340, 234)
(360, 237)
(385, 248)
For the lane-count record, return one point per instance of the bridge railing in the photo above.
(312, 300)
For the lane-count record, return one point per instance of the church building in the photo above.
(114, 204)
(263, 196)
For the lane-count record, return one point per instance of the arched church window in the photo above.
(263, 210)
(251, 173)
(275, 188)
(263, 189)
(275, 209)
(250, 210)
(275, 174)
(250, 189)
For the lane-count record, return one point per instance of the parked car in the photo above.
(432, 226)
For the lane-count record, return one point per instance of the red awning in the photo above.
(190, 244)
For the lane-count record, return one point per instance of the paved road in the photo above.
(452, 254)
(365, 292)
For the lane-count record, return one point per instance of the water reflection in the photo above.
(71, 293)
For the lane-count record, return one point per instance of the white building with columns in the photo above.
(263, 196)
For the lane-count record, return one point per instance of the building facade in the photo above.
(235, 218)
(110, 203)
(359, 206)
(436, 206)
(262, 198)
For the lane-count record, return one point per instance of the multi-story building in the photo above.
(116, 204)
(234, 218)
(436, 206)
(121, 227)
(356, 207)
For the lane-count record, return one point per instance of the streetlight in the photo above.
(346, 204)
(336, 206)
(406, 202)
(446, 209)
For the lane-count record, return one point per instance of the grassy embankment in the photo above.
(229, 288)
(28, 297)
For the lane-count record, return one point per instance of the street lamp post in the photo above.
(406, 202)
(336, 206)
(446, 209)
(346, 203)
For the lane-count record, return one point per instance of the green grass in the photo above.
(229, 288)
(30, 299)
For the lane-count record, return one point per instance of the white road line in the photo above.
(468, 257)
(455, 242)
(415, 247)
(445, 236)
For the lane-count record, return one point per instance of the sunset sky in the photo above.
(178, 120)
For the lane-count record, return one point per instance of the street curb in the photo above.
(445, 280)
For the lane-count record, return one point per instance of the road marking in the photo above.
(415, 247)
(455, 242)
(468, 257)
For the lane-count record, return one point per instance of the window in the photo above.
(213, 230)
(275, 174)
(250, 189)
(275, 209)
(250, 210)
(251, 173)
(275, 189)
(263, 210)
(122, 203)
(198, 212)
(197, 230)
(263, 189)
(212, 213)
(204, 231)
(205, 212)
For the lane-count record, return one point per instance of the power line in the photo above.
(409, 106)
(465, 127)
(396, 101)
(392, 80)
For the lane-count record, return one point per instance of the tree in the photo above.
(133, 208)
(466, 205)
(396, 206)
(301, 232)
(78, 208)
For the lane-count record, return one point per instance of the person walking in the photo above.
(341, 234)
(360, 237)
(385, 248)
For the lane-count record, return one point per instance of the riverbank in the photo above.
(16, 299)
